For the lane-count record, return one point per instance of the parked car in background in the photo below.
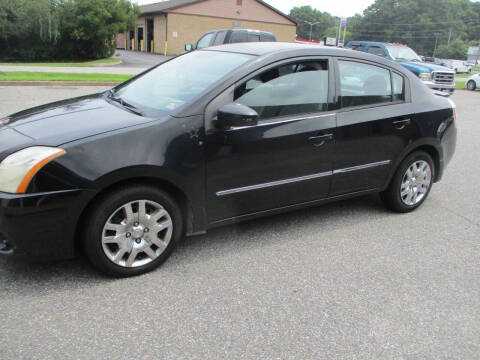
(473, 82)
(459, 66)
(219, 37)
(434, 76)
(433, 60)
(213, 137)
(472, 62)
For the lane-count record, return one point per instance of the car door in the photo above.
(287, 158)
(374, 124)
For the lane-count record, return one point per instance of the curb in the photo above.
(57, 83)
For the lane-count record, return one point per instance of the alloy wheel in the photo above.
(137, 233)
(416, 182)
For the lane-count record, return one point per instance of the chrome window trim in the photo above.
(285, 120)
(300, 178)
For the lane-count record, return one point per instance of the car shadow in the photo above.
(22, 277)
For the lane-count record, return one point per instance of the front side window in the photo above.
(220, 38)
(362, 84)
(205, 41)
(288, 90)
(180, 80)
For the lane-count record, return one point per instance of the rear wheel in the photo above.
(411, 183)
(132, 230)
(471, 85)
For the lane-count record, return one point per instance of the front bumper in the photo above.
(40, 226)
(448, 87)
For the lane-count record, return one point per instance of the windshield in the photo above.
(403, 53)
(178, 81)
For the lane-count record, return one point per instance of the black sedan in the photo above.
(213, 137)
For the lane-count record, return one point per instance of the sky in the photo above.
(334, 7)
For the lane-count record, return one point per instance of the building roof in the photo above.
(173, 4)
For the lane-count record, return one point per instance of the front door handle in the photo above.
(320, 139)
(400, 124)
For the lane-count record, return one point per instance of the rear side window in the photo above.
(288, 90)
(377, 50)
(220, 38)
(363, 84)
(398, 87)
(239, 36)
(205, 41)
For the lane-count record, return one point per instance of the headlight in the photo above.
(18, 169)
(425, 76)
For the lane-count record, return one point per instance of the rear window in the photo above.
(357, 47)
(376, 50)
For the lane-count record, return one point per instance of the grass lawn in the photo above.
(464, 76)
(109, 61)
(52, 76)
(460, 85)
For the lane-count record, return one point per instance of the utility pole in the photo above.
(436, 40)
(339, 32)
(311, 26)
(449, 37)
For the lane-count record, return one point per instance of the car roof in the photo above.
(282, 50)
(264, 48)
(237, 30)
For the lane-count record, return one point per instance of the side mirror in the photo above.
(189, 47)
(236, 115)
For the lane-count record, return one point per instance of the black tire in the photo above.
(391, 196)
(471, 85)
(100, 213)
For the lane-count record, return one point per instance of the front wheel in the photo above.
(471, 85)
(411, 183)
(132, 230)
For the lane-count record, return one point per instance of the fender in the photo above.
(432, 143)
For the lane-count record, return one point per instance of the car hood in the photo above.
(68, 120)
(417, 67)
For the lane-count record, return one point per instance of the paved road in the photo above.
(348, 280)
(132, 63)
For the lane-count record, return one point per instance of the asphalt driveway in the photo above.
(348, 280)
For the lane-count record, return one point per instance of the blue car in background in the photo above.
(434, 76)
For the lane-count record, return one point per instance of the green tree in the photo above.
(306, 13)
(418, 23)
(456, 50)
(28, 29)
(88, 27)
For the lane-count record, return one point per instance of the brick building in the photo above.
(165, 27)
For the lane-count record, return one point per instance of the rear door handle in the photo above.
(320, 139)
(400, 124)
